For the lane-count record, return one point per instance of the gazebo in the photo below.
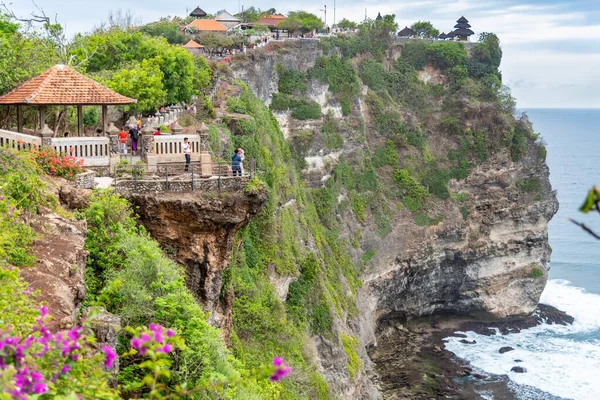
(198, 13)
(462, 30)
(62, 86)
(407, 32)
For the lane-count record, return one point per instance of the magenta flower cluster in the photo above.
(29, 356)
(154, 338)
(281, 369)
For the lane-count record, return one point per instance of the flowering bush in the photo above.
(45, 363)
(58, 164)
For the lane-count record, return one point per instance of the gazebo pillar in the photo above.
(19, 118)
(104, 114)
(42, 117)
(79, 119)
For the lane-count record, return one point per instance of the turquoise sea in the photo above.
(563, 361)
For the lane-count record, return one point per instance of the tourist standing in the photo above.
(134, 134)
(236, 162)
(187, 151)
(123, 140)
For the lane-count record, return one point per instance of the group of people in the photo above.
(133, 134)
(237, 159)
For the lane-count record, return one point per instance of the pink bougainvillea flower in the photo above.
(109, 356)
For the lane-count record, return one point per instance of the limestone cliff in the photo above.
(480, 250)
(197, 230)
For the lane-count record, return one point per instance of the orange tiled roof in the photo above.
(193, 45)
(270, 20)
(61, 85)
(207, 25)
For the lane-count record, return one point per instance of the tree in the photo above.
(308, 22)
(7, 27)
(215, 42)
(170, 30)
(291, 25)
(425, 30)
(144, 82)
(346, 24)
(253, 14)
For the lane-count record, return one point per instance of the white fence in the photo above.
(168, 148)
(95, 151)
(19, 140)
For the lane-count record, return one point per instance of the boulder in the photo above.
(518, 370)
(505, 349)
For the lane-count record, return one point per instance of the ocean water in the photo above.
(563, 361)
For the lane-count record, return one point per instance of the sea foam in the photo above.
(561, 360)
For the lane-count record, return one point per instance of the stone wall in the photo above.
(85, 180)
(130, 187)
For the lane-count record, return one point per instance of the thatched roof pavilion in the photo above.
(407, 32)
(61, 85)
(443, 36)
(198, 13)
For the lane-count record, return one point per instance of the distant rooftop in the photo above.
(193, 45)
(207, 25)
(198, 13)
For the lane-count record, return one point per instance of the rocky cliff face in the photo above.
(488, 256)
(198, 231)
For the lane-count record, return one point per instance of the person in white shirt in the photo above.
(187, 151)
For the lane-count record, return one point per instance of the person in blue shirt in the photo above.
(236, 161)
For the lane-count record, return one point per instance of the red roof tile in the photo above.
(207, 25)
(61, 85)
(271, 21)
(193, 45)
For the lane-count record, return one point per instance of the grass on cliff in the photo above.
(128, 273)
(275, 241)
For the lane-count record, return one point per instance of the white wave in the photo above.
(561, 360)
(583, 306)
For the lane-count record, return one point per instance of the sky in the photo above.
(551, 47)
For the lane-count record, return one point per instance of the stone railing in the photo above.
(215, 184)
(19, 140)
(168, 149)
(95, 151)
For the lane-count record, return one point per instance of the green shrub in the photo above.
(416, 53)
(464, 210)
(350, 344)
(536, 272)
(291, 81)
(339, 74)
(530, 185)
(282, 102)
(373, 74)
(414, 195)
(236, 105)
(445, 55)
(333, 140)
(307, 110)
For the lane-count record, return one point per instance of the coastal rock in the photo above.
(505, 349)
(465, 341)
(518, 370)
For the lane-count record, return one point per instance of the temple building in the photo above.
(462, 30)
(198, 13)
(407, 33)
(379, 17)
(443, 36)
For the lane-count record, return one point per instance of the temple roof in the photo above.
(443, 36)
(379, 17)
(61, 85)
(198, 12)
(407, 32)
(461, 32)
(463, 20)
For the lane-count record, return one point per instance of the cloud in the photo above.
(547, 60)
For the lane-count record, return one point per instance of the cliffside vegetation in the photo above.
(413, 117)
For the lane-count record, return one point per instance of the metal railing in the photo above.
(178, 176)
